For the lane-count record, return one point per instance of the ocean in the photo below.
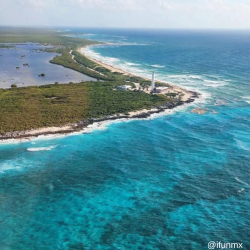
(176, 181)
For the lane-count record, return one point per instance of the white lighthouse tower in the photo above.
(153, 82)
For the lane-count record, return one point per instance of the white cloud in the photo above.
(132, 13)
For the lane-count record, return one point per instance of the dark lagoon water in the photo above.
(38, 63)
(174, 182)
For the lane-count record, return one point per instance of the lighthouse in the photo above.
(153, 82)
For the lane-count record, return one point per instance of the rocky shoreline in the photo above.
(82, 125)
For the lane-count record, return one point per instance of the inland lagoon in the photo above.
(23, 64)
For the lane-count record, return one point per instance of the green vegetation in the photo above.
(65, 59)
(44, 36)
(4, 46)
(172, 95)
(84, 60)
(105, 101)
(60, 104)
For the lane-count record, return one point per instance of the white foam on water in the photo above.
(197, 77)
(205, 96)
(241, 190)
(111, 44)
(246, 99)
(132, 64)
(7, 166)
(97, 56)
(210, 81)
(158, 66)
(178, 76)
(129, 44)
(242, 145)
(96, 126)
(216, 85)
(14, 141)
(190, 81)
(112, 59)
(41, 149)
(240, 181)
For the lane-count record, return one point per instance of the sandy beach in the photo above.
(186, 95)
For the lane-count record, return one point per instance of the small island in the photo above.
(65, 108)
(6, 46)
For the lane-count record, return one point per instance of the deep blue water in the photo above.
(38, 63)
(174, 182)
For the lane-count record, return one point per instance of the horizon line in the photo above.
(125, 28)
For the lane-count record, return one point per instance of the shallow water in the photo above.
(175, 182)
(38, 63)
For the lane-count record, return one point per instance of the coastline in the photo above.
(83, 126)
(172, 88)
(88, 125)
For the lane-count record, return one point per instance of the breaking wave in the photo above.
(158, 66)
(41, 149)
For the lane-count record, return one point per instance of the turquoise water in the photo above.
(38, 63)
(176, 182)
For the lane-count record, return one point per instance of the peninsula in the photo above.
(64, 108)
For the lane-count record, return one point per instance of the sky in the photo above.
(166, 14)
